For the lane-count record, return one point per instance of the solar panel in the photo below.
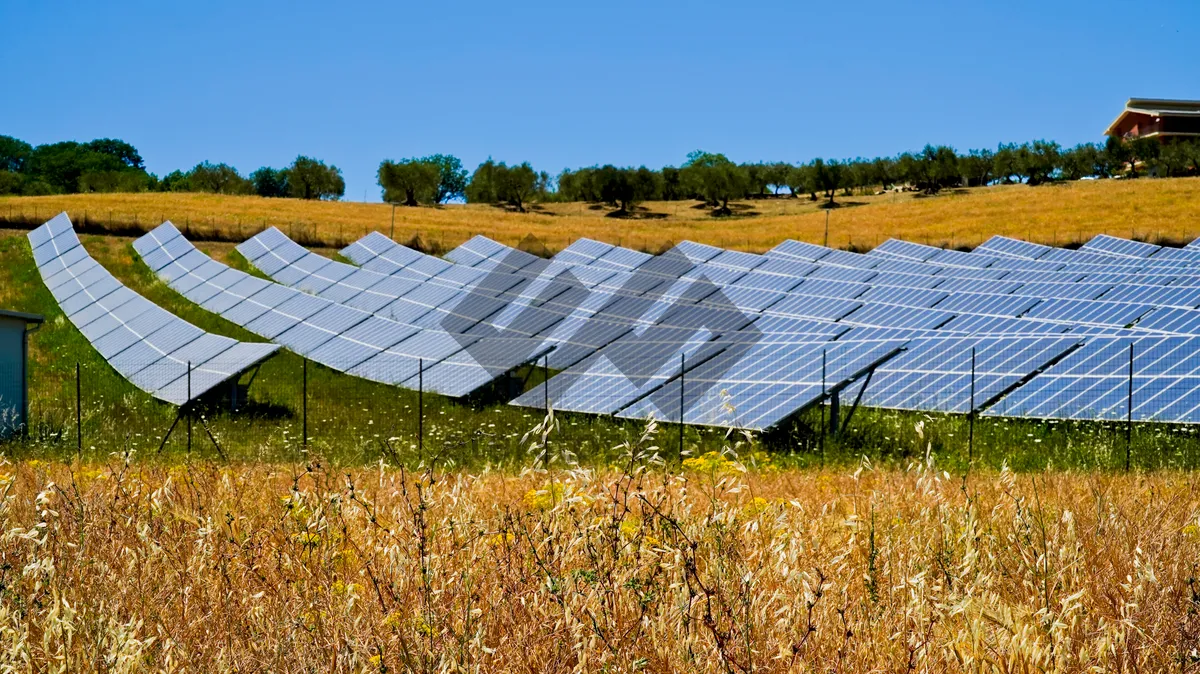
(934, 374)
(343, 338)
(1111, 245)
(759, 389)
(149, 346)
(1093, 382)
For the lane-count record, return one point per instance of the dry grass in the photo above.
(203, 567)
(1055, 214)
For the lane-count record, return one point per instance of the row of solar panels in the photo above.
(155, 350)
(760, 336)
(749, 325)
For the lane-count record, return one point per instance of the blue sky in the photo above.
(571, 84)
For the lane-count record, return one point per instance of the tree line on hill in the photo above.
(716, 180)
(111, 165)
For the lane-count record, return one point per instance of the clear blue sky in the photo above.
(570, 84)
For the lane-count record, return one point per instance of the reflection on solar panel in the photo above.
(751, 327)
(147, 345)
(344, 338)
(762, 387)
(934, 374)
(1092, 382)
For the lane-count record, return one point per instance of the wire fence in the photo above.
(290, 407)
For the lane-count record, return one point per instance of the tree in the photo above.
(515, 184)
(409, 181)
(1038, 161)
(117, 149)
(1080, 161)
(309, 178)
(175, 181)
(715, 178)
(217, 179)
(757, 178)
(626, 187)
(776, 175)
(799, 181)
(11, 182)
(1118, 153)
(977, 166)
(452, 177)
(482, 187)
(13, 154)
(61, 164)
(1005, 164)
(827, 176)
(1144, 151)
(269, 182)
(116, 181)
(672, 185)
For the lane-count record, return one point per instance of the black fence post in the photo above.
(682, 391)
(971, 414)
(1129, 412)
(304, 402)
(189, 405)
(421, 407)
(78, 411)
(823, 394)
(546, 382)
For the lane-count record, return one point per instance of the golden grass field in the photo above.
(135, 566)
(1055, 214)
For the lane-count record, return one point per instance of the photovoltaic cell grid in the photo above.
(343, 338)
(147, 345)
(907, 291)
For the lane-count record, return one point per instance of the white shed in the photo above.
(14, 382)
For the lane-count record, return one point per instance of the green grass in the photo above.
(352, 421)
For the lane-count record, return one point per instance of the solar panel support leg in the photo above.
(857, 400)
(835, 408)
(823, 394)
(971, 413)
(1129, 412)
(304, 403)
(170, 429)
(213, 438)
(421, 408)
(189, 406)
(78, 411)
(682, 390)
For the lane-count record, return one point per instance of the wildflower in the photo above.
(501, 539)
(1191, 531)
(546, 497)
(307, 539)
(393, 620)
(757, 506)
(710, 462)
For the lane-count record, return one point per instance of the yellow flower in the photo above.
(307, 539)
(376, 661)
(632, 526)
(499, 540)
(1191, 531)
(546, 497)
(393, 620)
(341, 589)
(710, 462)
(757, 506)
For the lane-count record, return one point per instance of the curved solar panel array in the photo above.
(760, 337)
(147, 345)
(339, 335)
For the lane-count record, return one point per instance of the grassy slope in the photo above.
(1071, 212)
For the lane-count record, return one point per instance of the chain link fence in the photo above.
(289, 408)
